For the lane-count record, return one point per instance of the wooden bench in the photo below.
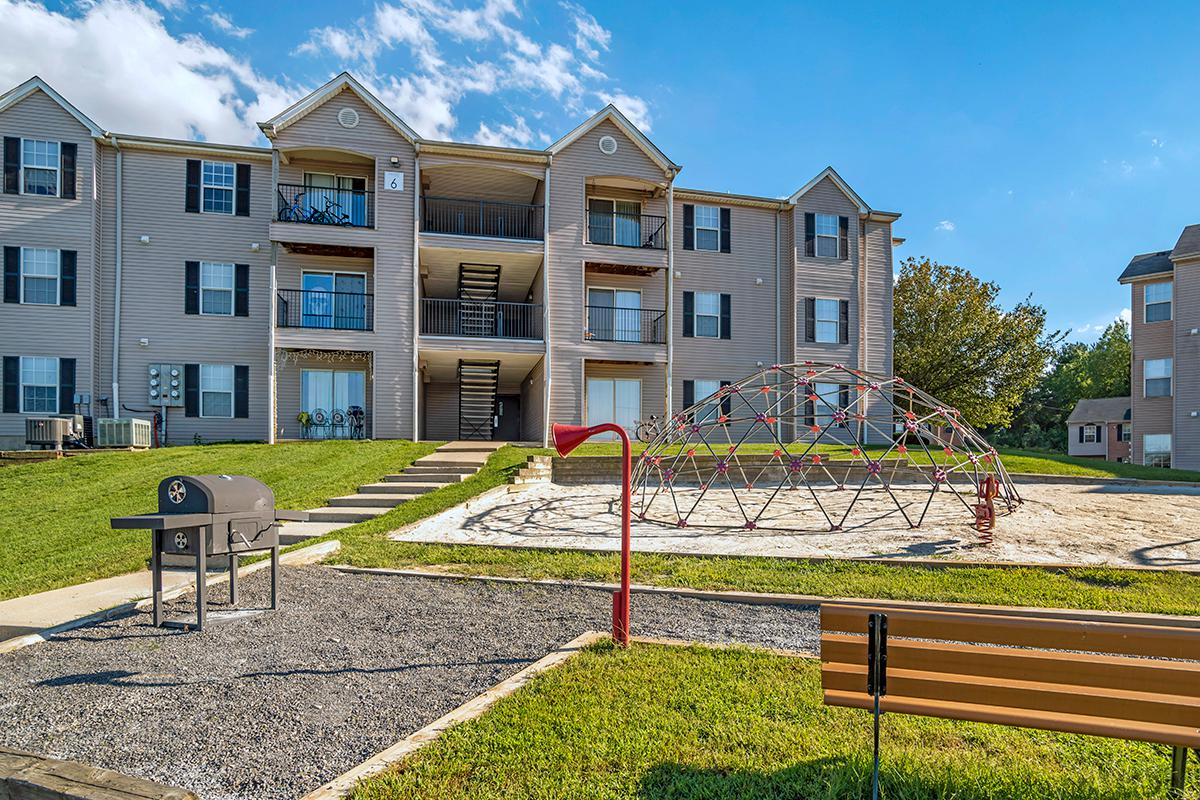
(1135, 678)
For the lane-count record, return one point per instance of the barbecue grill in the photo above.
(209, 516)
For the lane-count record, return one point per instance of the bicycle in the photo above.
(295, 212)
(330, 215)
(646, 430)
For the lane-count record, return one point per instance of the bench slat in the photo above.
(1022, 695)
(1100, 671)
(1174, 735)
(1052, 634)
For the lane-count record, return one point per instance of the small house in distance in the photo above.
(1100, 428)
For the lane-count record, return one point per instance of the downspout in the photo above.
(778, 320)
(670, 329)
(272, 375)
(546, 381)
(116, 342)
(863, 360)
(416, 291)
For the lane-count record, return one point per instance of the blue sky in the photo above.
(1039, 145)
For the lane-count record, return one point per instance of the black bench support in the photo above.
(876, 681)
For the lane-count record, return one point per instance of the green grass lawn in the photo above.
(701, 723)
(54, 522)
(1017, 461)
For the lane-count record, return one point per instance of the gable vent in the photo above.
(608, 145)
(348, 118)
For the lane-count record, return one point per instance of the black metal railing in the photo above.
(627, 230)
(321, 205)
(641, 325)
(314, 308)
(481, 218)
(481, 318)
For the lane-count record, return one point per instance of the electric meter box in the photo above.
(165, 385)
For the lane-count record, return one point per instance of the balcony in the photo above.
(627, 230)
(339, 311)
(481, 318)
(490, 218)
(634, 325)
(320, 205)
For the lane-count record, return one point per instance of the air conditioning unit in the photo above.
(123, 432)
(47, 431)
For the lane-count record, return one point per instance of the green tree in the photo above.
(954, 340)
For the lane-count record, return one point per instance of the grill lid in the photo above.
(214, 494)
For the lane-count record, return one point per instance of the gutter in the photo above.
(416, 294)
(778, 321)
(120, 232)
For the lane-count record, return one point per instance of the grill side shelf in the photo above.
(161, 522)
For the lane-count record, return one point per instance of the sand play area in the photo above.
(1092, 524)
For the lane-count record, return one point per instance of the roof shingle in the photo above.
(1101, 409)
(1148, 264)
(1188, 244)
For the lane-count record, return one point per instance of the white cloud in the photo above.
(152, 83)
(516, 135)
(590, 36)
(223, 23)
(945, 225)
(1156, 142)
(635, 109)
(1126, 316)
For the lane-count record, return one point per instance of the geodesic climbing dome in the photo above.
(811, 446)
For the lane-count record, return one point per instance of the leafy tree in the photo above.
(954, 340)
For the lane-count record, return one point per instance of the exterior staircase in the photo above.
(478, 382)
(450, 463)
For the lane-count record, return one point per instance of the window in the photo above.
(1156, 450)
(331, 389)
(702, 389)
(216, 288)
(828, 233)
(39, 167)
(828, 397)
(615, 222)
(39, 385)
(1157, 377)
(708, 314)
(1126, 432)
(614, 315)
(616, 400)
(828, 320)
(39, 276)
(1158, 301)
(1090, 433)
(217, 181)
(708, 229)
(216, 390)
(334, 300)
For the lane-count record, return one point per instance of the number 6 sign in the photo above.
(393, 181)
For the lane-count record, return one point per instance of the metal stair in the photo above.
(477, 385)
(478, 291)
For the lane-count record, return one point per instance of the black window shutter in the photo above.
(689, 394)
(66, 158)
(241, 392)
(689, 314)
(66, 386)
(810, 234)
(191, 390)
(844, 398)
(689, 226)
(810, 319)
(1081, 427)
(725, 240)
(12, 274)
(843, 238)
(844, 321)
(12, 165)
(726, 402)
(810, 417)
(242, 192)
(191, 200)
(12, 385)
(1099, 433)
(241, 292)
(66, 283)
(191, 287)
(726, 316)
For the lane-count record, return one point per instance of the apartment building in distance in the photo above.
(1165, 331)
(354, 279)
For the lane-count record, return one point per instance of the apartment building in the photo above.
(1100, 427)
(1165, 300)
(354, 279)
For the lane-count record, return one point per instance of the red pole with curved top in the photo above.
(567, 438)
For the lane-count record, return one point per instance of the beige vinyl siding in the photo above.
(533, 403)
(1186, 310)
(288, 392)
(55, 223)
(392, 339)
(569, 178)
(1151, 415)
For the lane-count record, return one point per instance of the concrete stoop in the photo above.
(537, 470)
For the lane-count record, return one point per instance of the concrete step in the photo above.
(439, 469)
(293, 532)
(470, 446)
(457, 459)
(418, 486)
(370, 500)
(342, 514)
(426, 477)
(398, 488)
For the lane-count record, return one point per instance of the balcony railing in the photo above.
(481, 318)
(481, 218)
(321, 205)
(627, 230)
(313, 308)
(638, 325)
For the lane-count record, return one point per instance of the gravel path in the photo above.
(272, 705)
